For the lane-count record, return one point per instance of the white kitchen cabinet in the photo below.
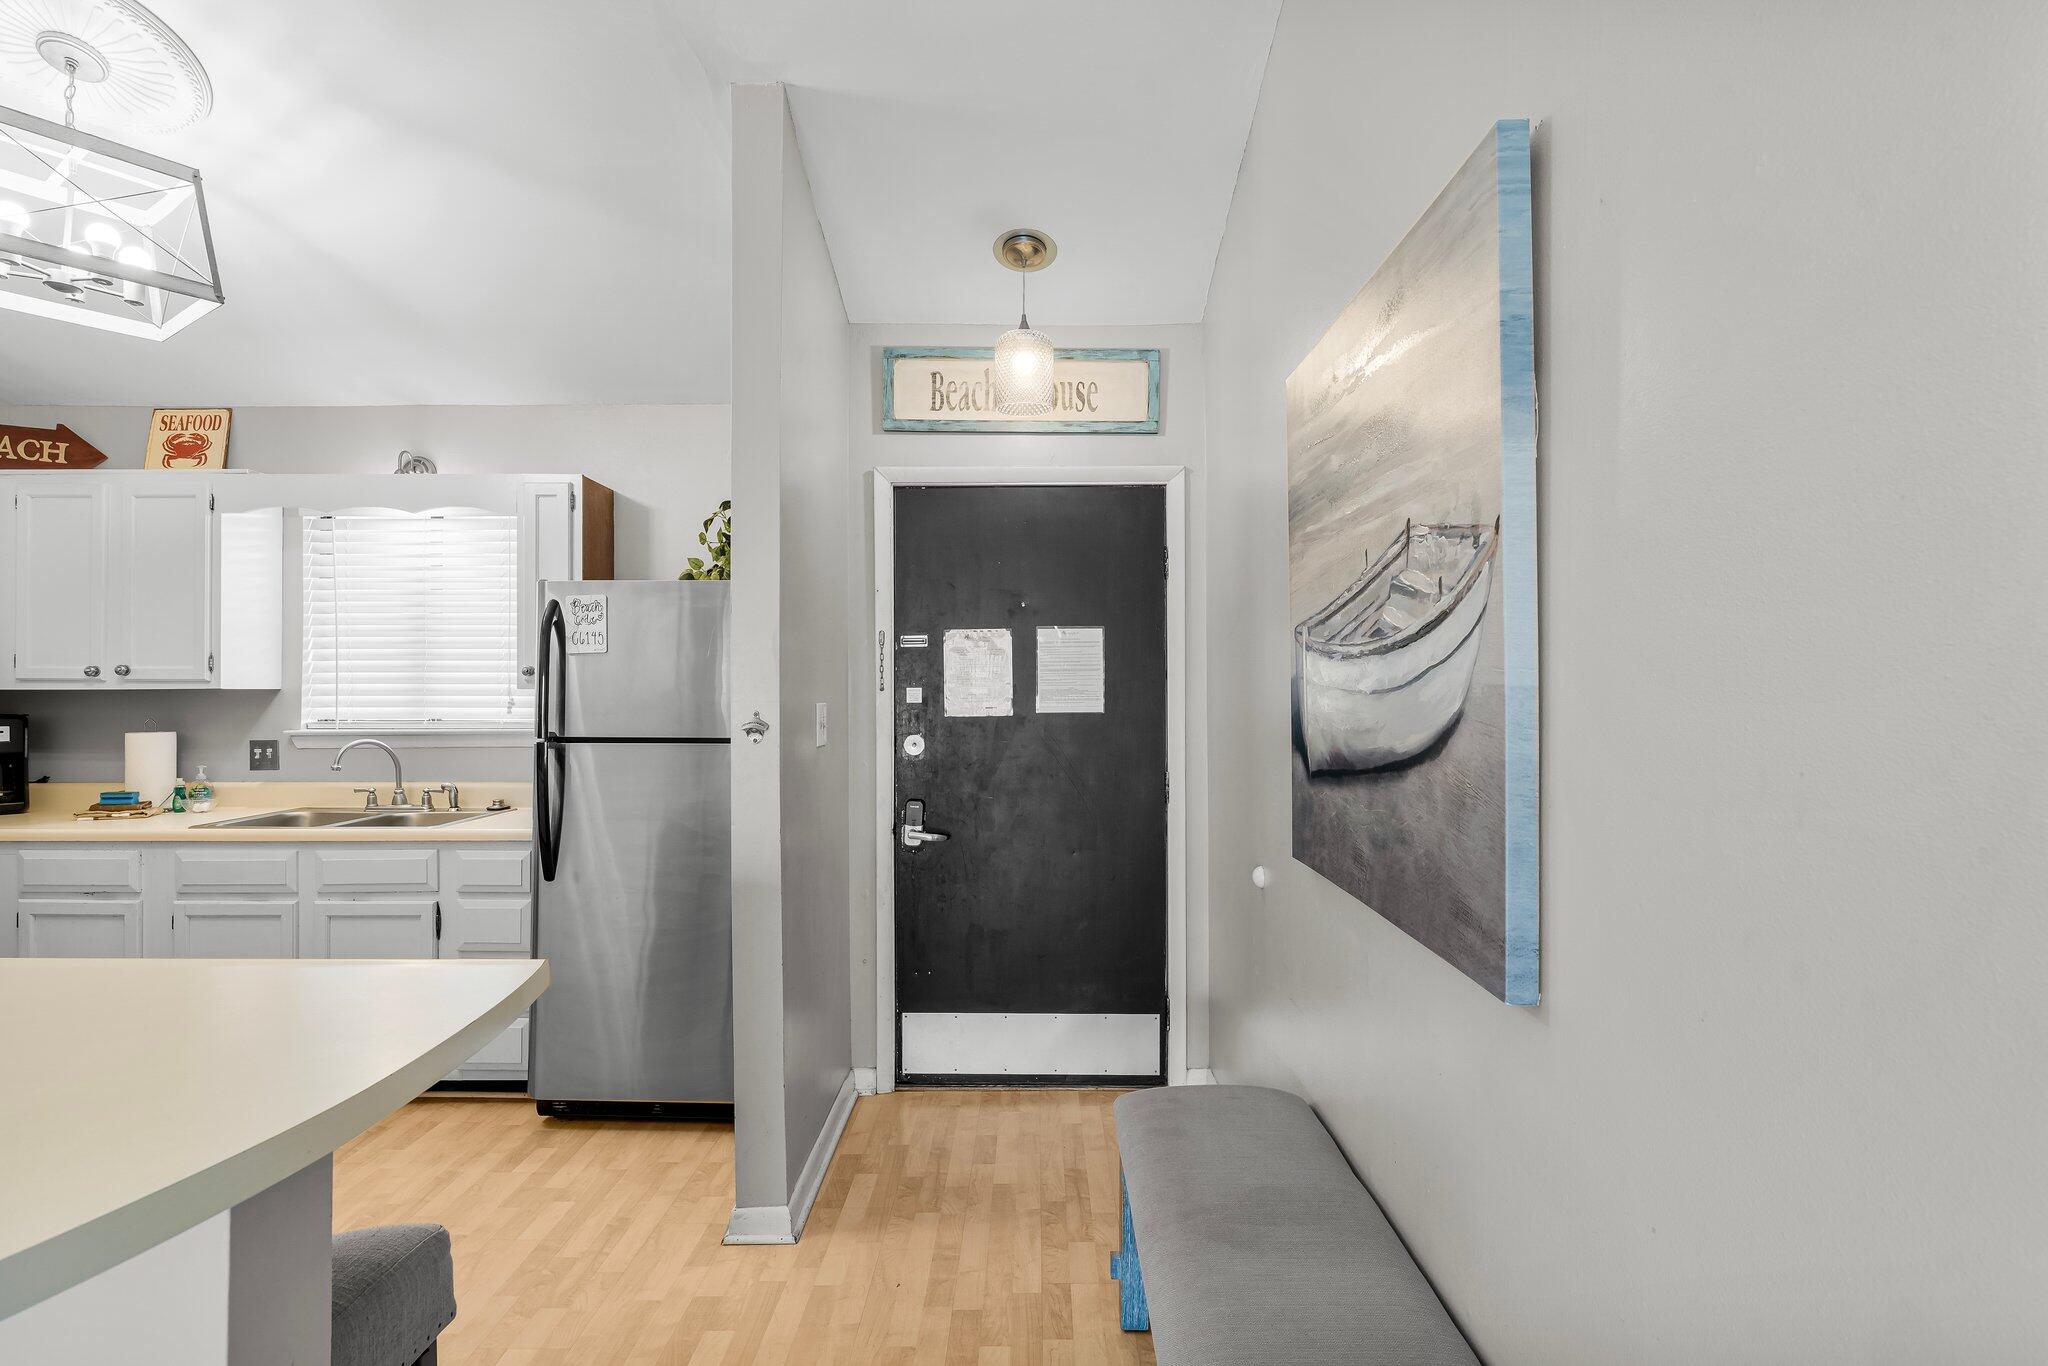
(309, 900)
(119, 582)
(487, 912)
(393, 927)
(547, 550)
(79, 927)
(159, 593)
(59, 566)
(245, 928)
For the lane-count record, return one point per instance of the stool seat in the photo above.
(394, 1291)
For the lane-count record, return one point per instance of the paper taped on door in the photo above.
(1070, 671)
(978, 672)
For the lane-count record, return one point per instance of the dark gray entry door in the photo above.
(1030, 729)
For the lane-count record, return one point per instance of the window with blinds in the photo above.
(411, 622)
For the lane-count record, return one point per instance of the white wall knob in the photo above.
(1260, 877)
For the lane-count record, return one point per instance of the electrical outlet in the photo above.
(821, 725)
(262, 755)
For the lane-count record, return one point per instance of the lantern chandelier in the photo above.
(1024, 358)
(92, 231)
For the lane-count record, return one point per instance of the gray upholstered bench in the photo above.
(1246, 1238)
(394, 1291)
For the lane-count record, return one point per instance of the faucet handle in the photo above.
(369, 797)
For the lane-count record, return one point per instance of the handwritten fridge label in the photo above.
(586, 623)
(977, 663)
(1070, 668)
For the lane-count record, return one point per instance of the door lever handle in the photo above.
(912, 831)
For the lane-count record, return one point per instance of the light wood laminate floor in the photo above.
(954, 1227)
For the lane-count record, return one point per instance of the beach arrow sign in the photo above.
(46, 448)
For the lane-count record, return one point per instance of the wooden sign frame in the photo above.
(204, 430)
(1149, 357)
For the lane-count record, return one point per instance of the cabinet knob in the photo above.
(121, 669)
(92, 671)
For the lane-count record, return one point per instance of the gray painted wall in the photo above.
(790, 1044)
(1179, 441)
(669, 465)
(1783, 1100)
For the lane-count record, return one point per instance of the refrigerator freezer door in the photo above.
(663, 671)
(637, 928)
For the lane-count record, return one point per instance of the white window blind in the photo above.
(411, 621)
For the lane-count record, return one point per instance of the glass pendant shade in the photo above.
(1023, 372)
(96, 233)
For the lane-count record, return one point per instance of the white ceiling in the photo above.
(482, 202)
(930, 126)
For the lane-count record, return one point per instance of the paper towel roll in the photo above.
(152, 764)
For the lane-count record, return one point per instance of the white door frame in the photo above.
(1173, 479)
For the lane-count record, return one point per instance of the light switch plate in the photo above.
(262, 755)
(821, 725)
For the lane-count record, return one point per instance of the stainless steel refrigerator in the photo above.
(632, 832)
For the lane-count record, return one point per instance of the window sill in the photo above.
(400, 738)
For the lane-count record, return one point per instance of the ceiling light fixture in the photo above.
(1024, 358)
(92, 231)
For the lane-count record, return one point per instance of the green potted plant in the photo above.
(716, 538)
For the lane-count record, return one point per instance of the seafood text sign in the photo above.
(952, 389)
(46, 448)
(188, 439)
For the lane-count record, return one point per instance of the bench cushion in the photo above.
(1258, 1244)
(394, 1291)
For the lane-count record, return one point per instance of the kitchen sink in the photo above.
(319, 818)
(301, 818)
(410, 820)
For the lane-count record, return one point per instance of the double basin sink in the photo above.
(322, 818)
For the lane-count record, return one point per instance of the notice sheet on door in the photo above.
(1070, 668)
(977, 662)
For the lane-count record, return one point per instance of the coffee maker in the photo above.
(13, 765)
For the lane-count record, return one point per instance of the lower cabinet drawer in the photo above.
(81, 870)
(89, 927)
(211, 872)
(493, 925)
(235, 929)
(347, 872)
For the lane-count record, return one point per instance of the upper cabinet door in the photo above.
(547, 550)
(159, 599)
(59, 571)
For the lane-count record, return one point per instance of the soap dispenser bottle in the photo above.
(199, 792)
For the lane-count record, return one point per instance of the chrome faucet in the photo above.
(397, 773)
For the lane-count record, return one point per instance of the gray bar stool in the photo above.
(394, 1291)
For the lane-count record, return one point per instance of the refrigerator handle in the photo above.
(549, 793)
(550, 765)
(549, 689)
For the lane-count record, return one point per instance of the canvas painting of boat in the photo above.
(1411, 435)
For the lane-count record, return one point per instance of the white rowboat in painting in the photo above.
(1381, 672)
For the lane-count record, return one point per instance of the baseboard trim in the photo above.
(759, 1224)
(755, 1225)
(864, 1081)
(1200, 1076)
(812, 1179)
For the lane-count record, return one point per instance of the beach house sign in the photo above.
(951, 389)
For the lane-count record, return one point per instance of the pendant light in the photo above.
(92, 231)
(1024, 358)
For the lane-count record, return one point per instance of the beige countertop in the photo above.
(160, 1092)
(53, 807)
